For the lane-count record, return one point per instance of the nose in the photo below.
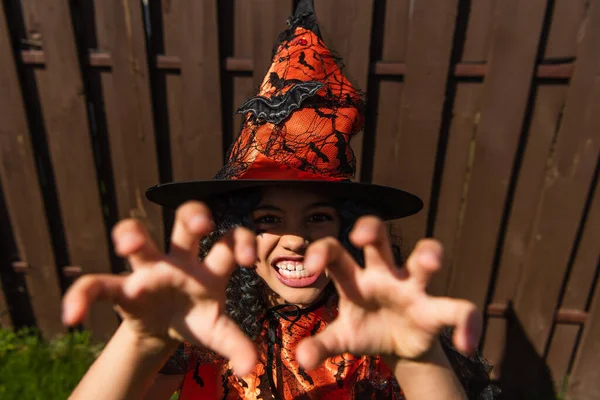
(294, 243)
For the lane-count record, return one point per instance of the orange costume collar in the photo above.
(342, 377)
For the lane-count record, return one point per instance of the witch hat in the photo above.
(296, 131)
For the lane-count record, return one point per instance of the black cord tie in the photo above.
(292, 315)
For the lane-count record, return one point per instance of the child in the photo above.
(282, 283)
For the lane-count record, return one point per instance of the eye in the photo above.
(320, 217)
(267, 220)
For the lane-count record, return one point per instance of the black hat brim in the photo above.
(391, 203)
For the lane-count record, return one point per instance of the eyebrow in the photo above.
(317, 205)
(269, 207)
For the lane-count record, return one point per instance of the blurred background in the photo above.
(489, 110)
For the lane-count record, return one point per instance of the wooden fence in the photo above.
(487, 109)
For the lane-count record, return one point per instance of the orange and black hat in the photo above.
(296, 131)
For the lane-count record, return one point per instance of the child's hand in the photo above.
(174, 297)
(385, 310)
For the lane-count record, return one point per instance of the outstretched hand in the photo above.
(174, 297)
(383, 309)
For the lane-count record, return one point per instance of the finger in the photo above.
(153, 280)
(223, 337)
(131, 240)
(370, 234)
(329, 255)
(244, 246)
(313, 350)
(440, 312)
(193, 220)
(86, 290)
(225, 255)
(424, 261)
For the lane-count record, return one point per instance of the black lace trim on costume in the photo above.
(473, 372)
(177, 363)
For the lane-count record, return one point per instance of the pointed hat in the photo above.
(296, 131)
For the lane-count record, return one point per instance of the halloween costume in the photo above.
(347, 376)
(297, 132)
(208, 376)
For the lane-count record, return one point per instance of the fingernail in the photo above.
(66, 314)
(428, 257)
(128, 242)
(197, 222)
(364, 230)
(248, 252)
(130, 238)
(311, 261)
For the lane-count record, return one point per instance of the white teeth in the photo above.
(290, 265)
(292, 269)
(294, 274)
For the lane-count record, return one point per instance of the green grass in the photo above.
(31, 368)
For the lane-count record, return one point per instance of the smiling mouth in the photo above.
(291, 273)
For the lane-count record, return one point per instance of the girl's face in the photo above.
(287, 221)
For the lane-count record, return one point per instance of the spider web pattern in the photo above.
(303, 117)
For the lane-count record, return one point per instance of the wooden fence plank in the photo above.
(457, 165)
(478, 37)
(196, 142)
(23, 196)
(395, 19)
(172, 15)
(581, 277)
(459, 150)
(566, 24)
(513, 53)
(560, 352)
(120, 31)
(395, 39)
(346, 28)
(584, 382)
(546, 118)
(584, 379)
(409, 162)
(395, 33)
(65, 118)
(568, 177)
(567, 19)
(7, 242)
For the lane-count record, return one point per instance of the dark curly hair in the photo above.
(245, 300)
